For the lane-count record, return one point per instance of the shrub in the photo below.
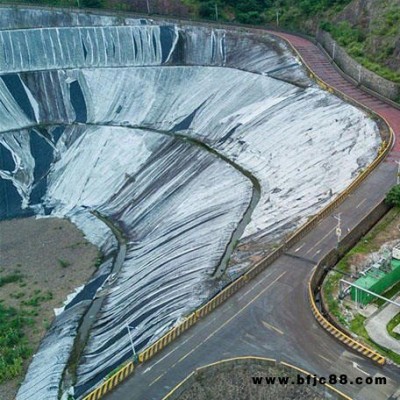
(393, 196)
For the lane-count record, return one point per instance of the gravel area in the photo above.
(52, 258)
(237, 383)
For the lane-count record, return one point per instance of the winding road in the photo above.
(271, 316)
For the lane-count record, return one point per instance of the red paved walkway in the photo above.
(321, 66)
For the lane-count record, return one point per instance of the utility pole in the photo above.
(216, 11)
(134, 355)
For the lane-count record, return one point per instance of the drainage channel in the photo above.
(256, 189)
(90, 316)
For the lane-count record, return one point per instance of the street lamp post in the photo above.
(134, 355)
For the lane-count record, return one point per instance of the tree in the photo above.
(393, 196)
(92, 3)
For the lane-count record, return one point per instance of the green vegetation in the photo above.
(63, 3)
(355, 42)
(11, 278)
(114, 371)
(364, 246)
(371, 45)
(14, 348)
(63, 263)
(357, 326)
(37, 299)
(14, 322)
(393, 196)
(392, 324)
(99, 259)
(388, 294)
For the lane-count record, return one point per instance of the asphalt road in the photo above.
(271, 316)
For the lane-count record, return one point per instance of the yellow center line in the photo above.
(269, 326)
(321, 240)
(230, 319)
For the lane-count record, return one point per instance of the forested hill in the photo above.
(368, 29)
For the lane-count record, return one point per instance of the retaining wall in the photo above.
(352, 68)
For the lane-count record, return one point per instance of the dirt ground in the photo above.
(51, 258)
(237, 383)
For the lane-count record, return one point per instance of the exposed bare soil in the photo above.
(52, 258)
(236, 383)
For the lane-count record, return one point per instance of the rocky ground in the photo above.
(237, 383)
(41, 262)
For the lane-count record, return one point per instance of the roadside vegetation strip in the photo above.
(393, 323)
(341, 336)
(371, 242)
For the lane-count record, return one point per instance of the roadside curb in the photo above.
(111, 383)
(339, 335)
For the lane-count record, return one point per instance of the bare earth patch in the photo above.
(237, 383)
(48, 259)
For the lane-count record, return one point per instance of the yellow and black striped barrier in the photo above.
(111, 382)
(168, 338)
(221, 297)
(341, 336)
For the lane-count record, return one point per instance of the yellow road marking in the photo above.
(269, 326)
(325, 384)
(229, 320)
(319, 241)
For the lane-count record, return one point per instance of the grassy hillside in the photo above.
(370, 32)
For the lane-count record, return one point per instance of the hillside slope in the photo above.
(370, 32)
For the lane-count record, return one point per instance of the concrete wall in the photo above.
(352, 68)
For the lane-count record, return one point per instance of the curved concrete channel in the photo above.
(90, 316)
